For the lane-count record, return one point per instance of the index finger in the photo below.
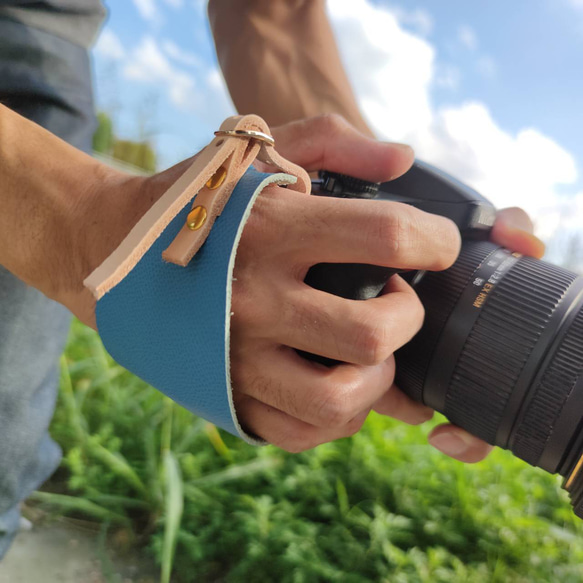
(384, 233)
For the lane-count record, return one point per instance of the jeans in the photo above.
(47, 80)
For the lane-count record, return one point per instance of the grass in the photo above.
(380, 506)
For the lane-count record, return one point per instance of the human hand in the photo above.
(513, 229)
(289, 401)
(327, 403)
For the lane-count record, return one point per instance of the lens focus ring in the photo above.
(550, 396)
(440, 293)
(500, 344)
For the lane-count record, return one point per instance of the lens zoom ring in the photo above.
(500, 343)
(551, 395)
(439, 293)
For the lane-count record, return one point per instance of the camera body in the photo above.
(424, 187)
(500, 352)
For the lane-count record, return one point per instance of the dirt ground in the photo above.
(62, 553)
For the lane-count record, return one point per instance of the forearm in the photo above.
(53, 224)
(280, 60)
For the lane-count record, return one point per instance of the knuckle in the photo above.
(307, 317)
(334, 408)
(450, 244)
(395, 231)
(331, 122)
(268, 229)
(373, 340)
(403, 323)
(413, 236)
(250, 308)
(416, 312)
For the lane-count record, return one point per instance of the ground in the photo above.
(62, 552)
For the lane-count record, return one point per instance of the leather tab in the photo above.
(245, 151)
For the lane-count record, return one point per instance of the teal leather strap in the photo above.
(170, 325)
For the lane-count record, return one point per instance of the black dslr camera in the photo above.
(501, 349)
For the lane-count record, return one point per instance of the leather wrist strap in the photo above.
(164, 308)
(171, 325)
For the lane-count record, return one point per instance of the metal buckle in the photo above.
(251, 134)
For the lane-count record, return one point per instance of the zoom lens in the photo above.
(501, 355)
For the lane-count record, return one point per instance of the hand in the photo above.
(287, 400)
(513, 229)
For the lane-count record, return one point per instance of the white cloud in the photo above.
(522, 169)
(467, 37)
(201, 93)
(418, 19)
(393, 72)
(390, 68)
(147, 9)
(148, 64)
(180, 55)
(109, 46)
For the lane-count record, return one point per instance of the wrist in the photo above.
(111, 205)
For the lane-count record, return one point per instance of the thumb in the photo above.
(329, 142)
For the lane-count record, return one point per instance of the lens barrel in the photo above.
(501, 355)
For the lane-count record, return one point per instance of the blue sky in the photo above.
(490, 91)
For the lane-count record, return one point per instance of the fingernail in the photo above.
(536, 247)
(449, 443)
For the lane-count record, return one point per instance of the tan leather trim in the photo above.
(187, 242)
(236, 153)
(185, 245)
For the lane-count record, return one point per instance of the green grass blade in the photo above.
(174, 505)
(342, 494)
(166, 437)
(74, 416)
(69, 504)
(122, 501)
(118, 465)
(217, 442)
(238, 471)
(194, 429)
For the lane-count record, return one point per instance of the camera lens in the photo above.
(501, 355)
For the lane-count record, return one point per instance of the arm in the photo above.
(46, 184)
(280, 60)
(62, 212)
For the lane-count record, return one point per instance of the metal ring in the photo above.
(259, 136)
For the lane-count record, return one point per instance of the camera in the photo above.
(500, 352)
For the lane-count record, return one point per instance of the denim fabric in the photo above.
(47, 80)
(77, 21)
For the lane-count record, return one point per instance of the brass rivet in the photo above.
(196, 218)
(217, 178)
